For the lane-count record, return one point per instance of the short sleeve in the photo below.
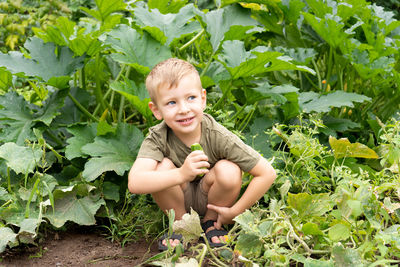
(221, 143)
(235, 150)
(150, 149)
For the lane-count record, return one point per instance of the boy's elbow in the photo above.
(270, 175)
(131, 184)
(273, 175)
(131, 188)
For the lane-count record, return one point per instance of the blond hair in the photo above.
(167, 74)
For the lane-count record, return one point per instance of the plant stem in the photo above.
(224, 95)
(192, 40)
(199, 52)
(54, 137)
(82, 108)
(318, 74)
(97, 90)
(131, 116)
(83, 78)
(247, 119)
(304, 244)
(202, 254)
(7, 203)
(330, 63)
(9, 180)
(121, 108)
(122, 101)
(237, 113)
(208, 64)
(31, 196)
(220, 263)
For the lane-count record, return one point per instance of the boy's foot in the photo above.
(215, 237)
(174, 240)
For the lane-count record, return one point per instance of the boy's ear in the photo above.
(156, 112)
(204, 98)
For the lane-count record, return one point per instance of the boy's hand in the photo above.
(225, 215)
(195, 164)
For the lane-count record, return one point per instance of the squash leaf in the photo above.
(19, 116)
(112, 152)
(44, 61)
(165, 28)
(141, 52)
(343, 148)
(311, 101)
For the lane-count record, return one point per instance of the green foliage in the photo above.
(74, 111)
(18, 17)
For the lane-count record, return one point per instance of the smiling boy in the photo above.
(167, 169)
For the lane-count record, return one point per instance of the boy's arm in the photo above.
(144, 178)
(264, 175)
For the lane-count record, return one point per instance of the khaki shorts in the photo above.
(196, 197)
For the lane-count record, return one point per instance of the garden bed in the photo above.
(79, 247)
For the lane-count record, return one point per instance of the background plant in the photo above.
(74, 111)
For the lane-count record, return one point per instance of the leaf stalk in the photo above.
(82, 108)
(192, 40)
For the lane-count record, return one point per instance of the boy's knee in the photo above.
(165, 164)
(228, 174)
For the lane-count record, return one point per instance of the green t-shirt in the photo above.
(218, 143)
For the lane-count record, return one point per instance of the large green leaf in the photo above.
(5, 79)
(44, 61)
(311, 101)
(300, 55)
(339, 231)
(19, 116)
(19, 158)
(307, 206)
(138, 96)
(257, 137)
(220, 21)
(70, 114)
(346, 256)
(83, 135)
(189, 226)
(241, 63)
(69, 206)
(105, 8)
(330, 28)
(311, 229)
(112, 152)
(7, 236)
(167, 6)
(139, 51)
(249, 245)
(65, 33)
(59, 33)
(265, 90)
(166, 28)
(247, 222)
(343, 148)
(27, 232)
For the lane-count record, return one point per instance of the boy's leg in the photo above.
(171, 198)
(223, 184)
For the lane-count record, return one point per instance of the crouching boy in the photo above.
(167, 169)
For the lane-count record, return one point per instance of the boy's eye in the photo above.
(192, 97)
(170, 103)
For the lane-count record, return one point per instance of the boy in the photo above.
(166, 168)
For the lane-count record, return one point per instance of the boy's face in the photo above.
(181, 107)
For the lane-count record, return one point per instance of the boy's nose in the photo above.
(183, 108)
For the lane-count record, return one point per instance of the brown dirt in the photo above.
(78, 247)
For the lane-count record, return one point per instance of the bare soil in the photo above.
(78, 247)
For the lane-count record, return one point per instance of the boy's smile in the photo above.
(182, 107)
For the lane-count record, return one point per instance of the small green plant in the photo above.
(138, 218)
